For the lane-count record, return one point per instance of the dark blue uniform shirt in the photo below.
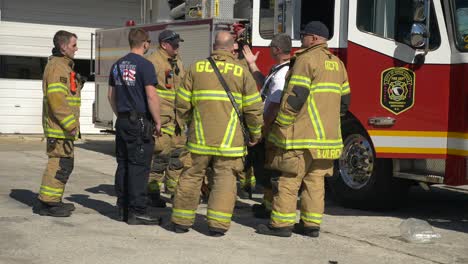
(137, 72)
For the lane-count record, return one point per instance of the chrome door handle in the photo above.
(382, 121)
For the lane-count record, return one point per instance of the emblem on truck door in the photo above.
(397, 89)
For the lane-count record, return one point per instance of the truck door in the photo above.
(389, 80)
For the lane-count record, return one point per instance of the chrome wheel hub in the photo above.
(357, 161)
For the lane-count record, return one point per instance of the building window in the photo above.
(32, 68)
(392, 19)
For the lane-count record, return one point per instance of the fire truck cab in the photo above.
(408, 72)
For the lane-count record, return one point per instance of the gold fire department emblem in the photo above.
(397, 92)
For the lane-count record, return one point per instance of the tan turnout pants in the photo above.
(58, 170)
(299, 168)
(223, 190)
(166, 165)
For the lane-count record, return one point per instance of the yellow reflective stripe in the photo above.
(230, 130)
(184, 94)
(56, 190)
(216, 151)
(251, 99)
(215, 95)
(305, 143)
(49, 191)
(248, 181)
(255, 130)
(171, 183)
(56, 133)
(166, 94)
(57, 87)
(315, 114)
(74, 101)
(326, 88)
(300, 80)
(345, 89)
(311, 217)
(170, 130)
(285, 218)
(68, 121)
(199, 133)
(284, 119)
(218, 216)
(185, 214)
(313, 120)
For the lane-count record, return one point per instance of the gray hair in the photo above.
(282, 41)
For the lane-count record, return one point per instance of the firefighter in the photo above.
(60, 114)
(170, 71)
(215, 136)
(306, 137)
(271, 91)
(135, 102)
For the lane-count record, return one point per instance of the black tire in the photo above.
(370, 187)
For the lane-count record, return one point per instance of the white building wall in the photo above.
(27, 28)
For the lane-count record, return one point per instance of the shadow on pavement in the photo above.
(440, 207)
(101, 146)
(102, 189)
(26, 197)
(99, 206)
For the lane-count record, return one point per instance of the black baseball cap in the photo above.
(316, 28)
(170, 37)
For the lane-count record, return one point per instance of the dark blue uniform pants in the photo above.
(133, 152)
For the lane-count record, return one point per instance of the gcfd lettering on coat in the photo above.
(204, 66)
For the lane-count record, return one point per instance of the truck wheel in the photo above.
(362, 181)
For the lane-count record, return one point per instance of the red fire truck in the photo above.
(407, 66)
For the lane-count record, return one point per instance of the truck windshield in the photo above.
(461, 24)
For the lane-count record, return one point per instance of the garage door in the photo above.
(26, 33)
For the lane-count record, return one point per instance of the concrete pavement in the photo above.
(92, 235)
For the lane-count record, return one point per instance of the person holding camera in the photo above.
(134, 100)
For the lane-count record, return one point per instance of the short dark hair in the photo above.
(62, 37)
(136, 37)
(282, 41)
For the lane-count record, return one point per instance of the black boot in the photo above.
(154, 200)
(260, 211)
(273, 231)
(52, 209)
(216, 232)
(310, 231)
(68, 206)
(179, 229)
(142, 219)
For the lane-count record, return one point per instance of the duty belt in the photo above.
(127, 115)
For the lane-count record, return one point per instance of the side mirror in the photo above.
(418, 35)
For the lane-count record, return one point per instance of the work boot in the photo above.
(55, 209)
(142, 219)
(121, 214)
(216, 232)
(68, 206)
(180, 229)
(154, 200)
(310, 231)
(274, 231)
(260, 211)
(245, 193)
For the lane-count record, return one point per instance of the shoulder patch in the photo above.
(63, 80)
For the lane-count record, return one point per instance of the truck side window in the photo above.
(392, 19)
(460, 14)
(291, 16)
